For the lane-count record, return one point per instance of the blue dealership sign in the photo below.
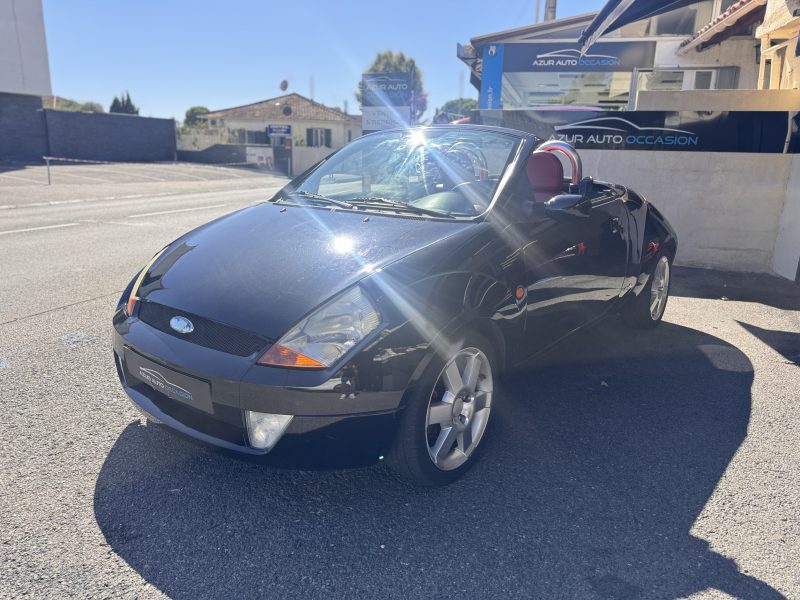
(492, 77)
(285, 130)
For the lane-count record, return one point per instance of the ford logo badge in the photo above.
(181, 324)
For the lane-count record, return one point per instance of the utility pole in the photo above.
(550, 10)
(538, 11)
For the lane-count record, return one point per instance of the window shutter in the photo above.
(328, 138)
(309, 137)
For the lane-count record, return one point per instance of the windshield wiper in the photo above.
(317, 198)
(379, 201)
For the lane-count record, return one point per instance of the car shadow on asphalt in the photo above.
(601, 459)
(786, 343)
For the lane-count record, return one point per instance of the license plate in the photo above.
(174, 385)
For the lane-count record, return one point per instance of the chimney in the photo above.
(550, 10)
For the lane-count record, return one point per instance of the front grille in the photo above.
(208, 333)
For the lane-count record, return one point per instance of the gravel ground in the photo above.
(625, 464)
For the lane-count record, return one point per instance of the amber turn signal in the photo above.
(129, 306)
(281, 356)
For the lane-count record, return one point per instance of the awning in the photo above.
(618, 13)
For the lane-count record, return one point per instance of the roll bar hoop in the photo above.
(569, 152)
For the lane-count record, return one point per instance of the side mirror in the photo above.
(567, 206)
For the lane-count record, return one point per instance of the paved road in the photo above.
(625, 465)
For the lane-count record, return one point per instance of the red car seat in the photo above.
(545, 174)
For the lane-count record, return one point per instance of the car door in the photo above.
(575, 264)
(605, 249)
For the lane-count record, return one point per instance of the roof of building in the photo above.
(535, 30)
(563, 28)
(742, 14)
(302, 109)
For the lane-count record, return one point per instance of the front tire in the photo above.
(646, 310)
(446, 417)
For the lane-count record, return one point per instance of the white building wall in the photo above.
(725, 207)
(733, 52)
(338, 128)
(787, 246)
(24, 68)
(304, 157)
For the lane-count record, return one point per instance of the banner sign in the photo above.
(388, 100)
(378, 118)
(492, 77)
(279, 130)
(387, 89)
(689, 131)
(566, 57)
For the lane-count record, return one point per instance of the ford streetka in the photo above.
(367, 310)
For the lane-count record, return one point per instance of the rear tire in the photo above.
(445, 420)
(646, 310)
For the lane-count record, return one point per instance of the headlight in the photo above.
(321, 339)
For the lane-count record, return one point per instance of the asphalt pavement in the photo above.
(626, 464)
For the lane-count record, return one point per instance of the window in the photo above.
(677, 22)
(427, 167)
(702, 80)
(661, 81)
(766, 81)
(318, 137)
(723, 78)
(527, 90)
(681, 21)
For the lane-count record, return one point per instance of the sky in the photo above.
(171, 55)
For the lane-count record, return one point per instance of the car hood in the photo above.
(263, 268)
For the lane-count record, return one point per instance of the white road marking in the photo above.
(129, 173)
(172, 172)
(170, 212)
(259, 190)
(39, 228)
(59, 171)
(25, 179)
(138, 224)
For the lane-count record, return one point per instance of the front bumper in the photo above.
(333, 425)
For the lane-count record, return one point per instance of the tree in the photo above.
(124, 105)
(192, 118)
(391, 62)
(459, 106)
(92, 107)
(58, 103)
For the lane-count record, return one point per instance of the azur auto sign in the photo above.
(567, 57)
(617, 131)
(687, 131)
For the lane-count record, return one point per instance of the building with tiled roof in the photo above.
(311, 123)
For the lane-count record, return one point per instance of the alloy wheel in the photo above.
(458, 409)
(659, 289)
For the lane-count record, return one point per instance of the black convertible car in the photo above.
(367, 309)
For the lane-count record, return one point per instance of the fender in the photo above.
(656, 237)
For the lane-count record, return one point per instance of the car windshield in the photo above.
(447, 172)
